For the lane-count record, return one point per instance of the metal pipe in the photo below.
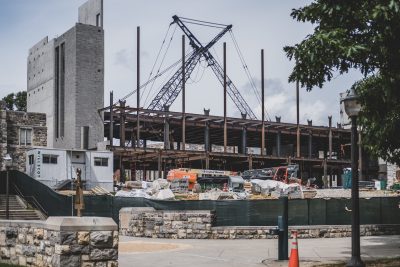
(138, 88)
(111, 135)
(262, 105)
(225, 130)
(285, 219)
(360, 158)
(244, 141)
(183, 95)
(355, 214)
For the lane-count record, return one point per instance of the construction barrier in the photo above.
(380, 210)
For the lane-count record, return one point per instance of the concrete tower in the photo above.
(66, 81)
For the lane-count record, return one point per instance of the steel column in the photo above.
(330, 136)
(138, 88)
(122, 125)
(262, 105)
(298, 119)
(111, 134)
(225, 129)
(183, 95)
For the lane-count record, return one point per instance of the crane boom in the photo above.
(170, 91)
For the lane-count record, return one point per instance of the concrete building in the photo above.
(19, 131)
(51, 166)
(66, 81)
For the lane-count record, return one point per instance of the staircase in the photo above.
(18, 209)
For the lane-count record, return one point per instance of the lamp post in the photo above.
(352, 108)
(8, 162)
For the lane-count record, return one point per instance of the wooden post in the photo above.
(225, 129)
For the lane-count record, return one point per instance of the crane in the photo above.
(170, 91)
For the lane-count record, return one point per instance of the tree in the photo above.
(20, 101)
(362, 35)
(17, 100)
(9, 99)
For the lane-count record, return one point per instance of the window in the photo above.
(98, 20)
(25, 137)
(31, 159)
(50, 159)
(101, 162)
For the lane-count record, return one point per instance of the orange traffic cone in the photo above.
(294, 253)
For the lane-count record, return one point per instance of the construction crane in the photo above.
(170, 91)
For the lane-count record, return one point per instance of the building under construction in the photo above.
(153, 140)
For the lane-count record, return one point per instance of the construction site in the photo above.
(149, 141)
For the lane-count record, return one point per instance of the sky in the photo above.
(257, 24)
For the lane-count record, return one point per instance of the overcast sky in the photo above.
(257, 24)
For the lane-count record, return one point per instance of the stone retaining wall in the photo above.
(148, 222)
(60, 241)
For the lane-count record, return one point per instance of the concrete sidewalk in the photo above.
(220, 253)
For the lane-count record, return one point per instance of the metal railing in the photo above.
(31, 200)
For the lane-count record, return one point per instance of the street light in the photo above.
(352, 108)
(8, 162)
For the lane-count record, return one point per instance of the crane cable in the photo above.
(158, 55)
(247, 71)
(161, 63)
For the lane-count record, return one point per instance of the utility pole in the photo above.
(298, 119)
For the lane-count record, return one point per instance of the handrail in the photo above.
(33, 201)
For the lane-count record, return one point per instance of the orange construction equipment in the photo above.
(294, 253)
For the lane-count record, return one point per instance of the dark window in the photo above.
(98, 20)
(31, 159)
(25, 137)
(50, 159)
(101, 162)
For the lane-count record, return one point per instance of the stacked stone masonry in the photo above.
(148, 222)
(60, 241)
(11, 123)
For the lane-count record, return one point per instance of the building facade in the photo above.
(65, 80)
(19, 132)
(51, 166)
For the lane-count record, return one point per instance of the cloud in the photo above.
(280, 101)
(126, 58)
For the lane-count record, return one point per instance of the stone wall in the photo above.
(148, 222)
(10, 124)
(60, 241)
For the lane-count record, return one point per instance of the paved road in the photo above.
(223, 253)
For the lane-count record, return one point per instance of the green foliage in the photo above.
(16, 100)
(363, 35)
(9, 99)
(20, 101)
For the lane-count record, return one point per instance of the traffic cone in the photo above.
(294, 253)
